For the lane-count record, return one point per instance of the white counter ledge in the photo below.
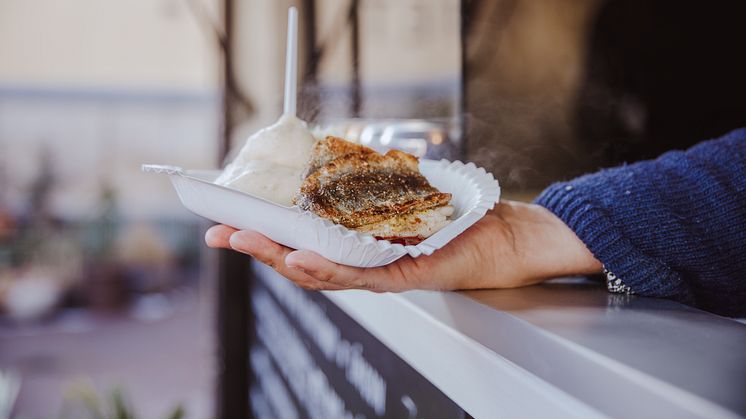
(566, 348)
(562, 349)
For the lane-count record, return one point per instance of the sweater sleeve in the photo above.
(673, 227)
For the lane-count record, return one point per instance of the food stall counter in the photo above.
(565, 348)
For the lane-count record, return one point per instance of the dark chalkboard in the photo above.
(311, 360)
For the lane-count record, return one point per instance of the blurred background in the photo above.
(103, 276)
(105, 283)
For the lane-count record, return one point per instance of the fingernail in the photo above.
(209, 236)
(295, 260)
(240, 242)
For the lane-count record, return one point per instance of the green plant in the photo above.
(82, 401)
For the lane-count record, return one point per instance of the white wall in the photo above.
(105, 85)
(151, 44)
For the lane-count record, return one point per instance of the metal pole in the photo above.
(462, 116)
(355, 49)
(309, 100)
(231, 399)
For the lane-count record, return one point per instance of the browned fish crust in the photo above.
(354, 186)
(331, 148)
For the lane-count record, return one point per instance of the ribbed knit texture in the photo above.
(673, 227)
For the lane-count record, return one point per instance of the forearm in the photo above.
(671, 227)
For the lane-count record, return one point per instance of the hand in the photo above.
(515, 244)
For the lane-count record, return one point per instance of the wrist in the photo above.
(546, 246)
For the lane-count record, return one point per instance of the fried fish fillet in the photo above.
(361, 189)
(410, 228)
(331, 148)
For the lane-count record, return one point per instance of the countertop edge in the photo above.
(483, 381)
(479, 380)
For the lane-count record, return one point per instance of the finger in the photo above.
(324, 270)
(273, 255)
(218, 236)
(259, 246)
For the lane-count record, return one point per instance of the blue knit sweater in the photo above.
(673, 227)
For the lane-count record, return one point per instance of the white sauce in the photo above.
(271, 163)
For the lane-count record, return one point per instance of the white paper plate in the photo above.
(474, 190)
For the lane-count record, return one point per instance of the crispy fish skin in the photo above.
(356, 186)
(331, 148)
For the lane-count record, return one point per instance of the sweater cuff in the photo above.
(643, 274)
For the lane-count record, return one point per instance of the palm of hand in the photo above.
(496, 252)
